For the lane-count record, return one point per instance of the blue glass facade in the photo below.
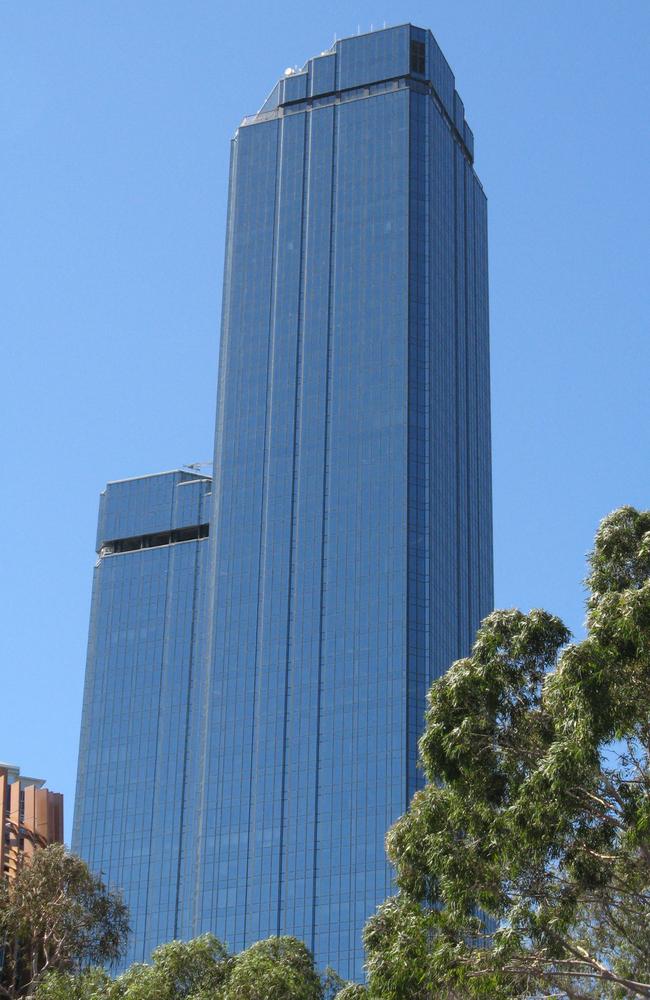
(351, 532)
(349, 558)
(142, 702)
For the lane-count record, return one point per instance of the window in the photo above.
(417, 57)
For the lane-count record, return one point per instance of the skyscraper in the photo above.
(350, 534)
(351, 531)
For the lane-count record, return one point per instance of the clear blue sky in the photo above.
(115, 120)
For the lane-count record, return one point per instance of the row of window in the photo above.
(191, 534)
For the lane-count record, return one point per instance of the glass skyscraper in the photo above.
(350, 550)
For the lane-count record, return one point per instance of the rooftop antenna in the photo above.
(358, 29)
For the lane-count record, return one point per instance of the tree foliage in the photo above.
(523, 866)
(55, 915)
(352, 991)
(180, 970)
(202, 969)
(280, 967)
(91, 984)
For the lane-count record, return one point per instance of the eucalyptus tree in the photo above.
(281, 968)
(523, 865)
(55, 916)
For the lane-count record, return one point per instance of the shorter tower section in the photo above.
(141, 704)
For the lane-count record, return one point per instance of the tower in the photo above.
(351, 520)
(254, 699)
(141, 712)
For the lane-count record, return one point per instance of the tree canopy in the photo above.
(55, 915)
(202, 969)
(523, 866)
(282, 968)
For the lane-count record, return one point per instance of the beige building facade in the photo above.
(32, 817)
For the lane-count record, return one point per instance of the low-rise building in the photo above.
(32, 817)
